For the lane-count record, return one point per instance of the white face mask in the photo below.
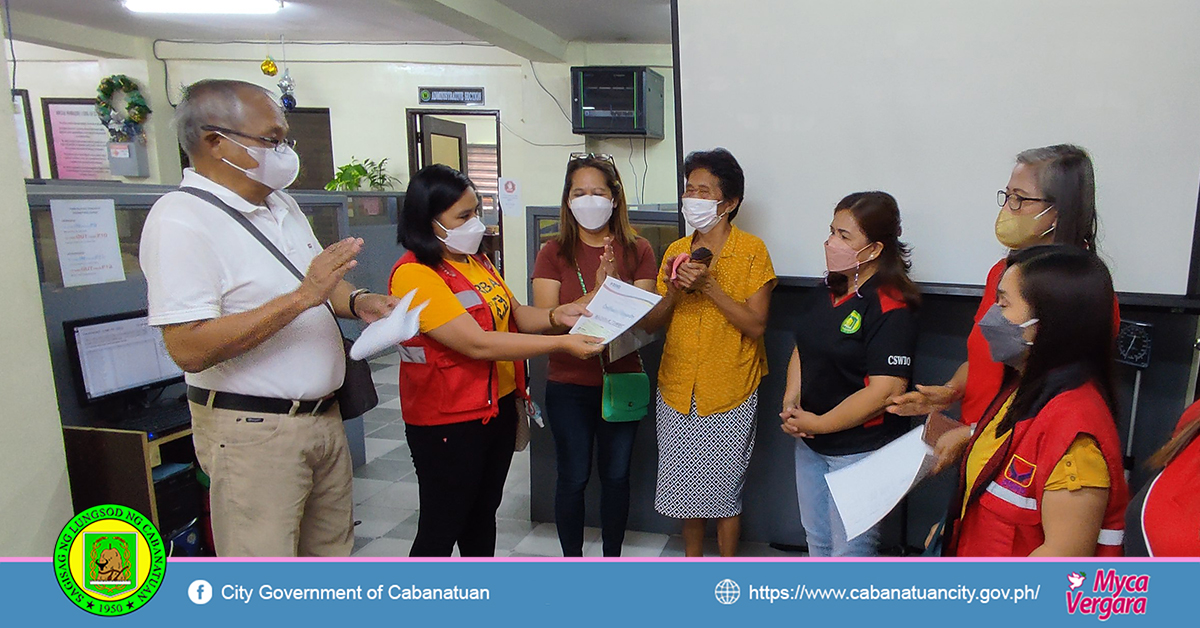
(276, 169)
(701, 213)
(464, 238)
(591, 212)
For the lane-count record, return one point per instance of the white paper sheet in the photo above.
(616, 307)
(866, 491)
(402, 324)
(85, 232)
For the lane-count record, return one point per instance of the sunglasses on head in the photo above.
(600, 156)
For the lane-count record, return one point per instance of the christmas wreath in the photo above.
(124, 124)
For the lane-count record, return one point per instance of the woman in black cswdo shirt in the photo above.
(854, 347)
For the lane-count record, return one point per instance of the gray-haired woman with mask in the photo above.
(1050, 199)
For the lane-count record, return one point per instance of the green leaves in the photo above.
(350, 177)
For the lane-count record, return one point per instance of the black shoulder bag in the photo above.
(357, 394)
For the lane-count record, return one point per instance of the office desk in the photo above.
(116, 466)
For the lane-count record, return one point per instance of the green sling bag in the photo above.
(625, 396)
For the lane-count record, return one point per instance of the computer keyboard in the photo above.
(158, 419)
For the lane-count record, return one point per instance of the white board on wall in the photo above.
(931, 100)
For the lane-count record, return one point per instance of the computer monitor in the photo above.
(117, 355)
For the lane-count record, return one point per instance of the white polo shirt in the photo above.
(201, 264)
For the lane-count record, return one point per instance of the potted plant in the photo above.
(351, 176)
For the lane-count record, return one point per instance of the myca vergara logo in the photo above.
(109, 560)
(1111, 594)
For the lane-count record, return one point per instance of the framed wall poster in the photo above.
(26, 142)
(76, 141)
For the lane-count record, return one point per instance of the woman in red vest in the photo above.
(1050, 198)
(1042, 474)
(462, 377)
(1164, 517)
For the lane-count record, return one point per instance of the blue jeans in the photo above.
(822, 524)
(574, 415)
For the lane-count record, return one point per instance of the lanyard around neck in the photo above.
(579, 273)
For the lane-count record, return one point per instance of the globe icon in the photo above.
(728, 591)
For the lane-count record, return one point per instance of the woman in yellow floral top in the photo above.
(713, 358)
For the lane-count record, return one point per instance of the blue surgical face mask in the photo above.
(1006, 339)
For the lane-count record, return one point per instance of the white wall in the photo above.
(658, 159)
(35, 498)
(931, 100)
(368, 89)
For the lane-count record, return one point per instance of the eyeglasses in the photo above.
(600, 156)
(277, 145)
(1003, 198)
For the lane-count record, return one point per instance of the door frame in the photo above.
(442, 127)
(413, 116)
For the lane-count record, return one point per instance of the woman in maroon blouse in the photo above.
(595, 241)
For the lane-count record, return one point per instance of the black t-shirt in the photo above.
(843, 341)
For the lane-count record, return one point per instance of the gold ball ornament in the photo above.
(268, 67)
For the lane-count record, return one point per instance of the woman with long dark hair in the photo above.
(854, 346)
(462, 377)
(1042, 475)
(595, 242)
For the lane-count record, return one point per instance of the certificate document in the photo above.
(616, 307)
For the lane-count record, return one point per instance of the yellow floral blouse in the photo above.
(705, 356)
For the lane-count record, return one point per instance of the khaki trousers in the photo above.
(280, 485)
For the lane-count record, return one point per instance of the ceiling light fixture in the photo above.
(229, 7)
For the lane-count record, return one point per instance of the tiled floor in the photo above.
(386, 501)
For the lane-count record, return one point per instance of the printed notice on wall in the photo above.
(78, 142)
(510, 198)
(86, 234)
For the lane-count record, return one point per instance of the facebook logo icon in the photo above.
(200, 592)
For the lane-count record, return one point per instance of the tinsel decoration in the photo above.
(288, 87)
(124, 124)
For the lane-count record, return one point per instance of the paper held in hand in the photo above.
(866, 491)
(402, 324)
(616, 307)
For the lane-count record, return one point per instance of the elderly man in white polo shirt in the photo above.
(262, 353)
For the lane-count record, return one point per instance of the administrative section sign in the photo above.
(450, 95)
(542, 592)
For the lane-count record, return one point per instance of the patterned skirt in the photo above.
(702, 460)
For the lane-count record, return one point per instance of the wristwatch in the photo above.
(354, 297)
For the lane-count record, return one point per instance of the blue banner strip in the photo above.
(631, 593)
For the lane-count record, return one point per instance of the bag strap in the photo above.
(241, 219)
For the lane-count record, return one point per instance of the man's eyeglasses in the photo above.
(275, 144)
(1014, 200)
(600, 156)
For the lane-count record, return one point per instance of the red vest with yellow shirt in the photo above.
(440, 386)
(1004, 511)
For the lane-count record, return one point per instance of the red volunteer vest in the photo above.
(439, 385)
(1004, 514)
(1170, 515)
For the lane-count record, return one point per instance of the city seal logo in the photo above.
(852, 323)
(109, 560)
